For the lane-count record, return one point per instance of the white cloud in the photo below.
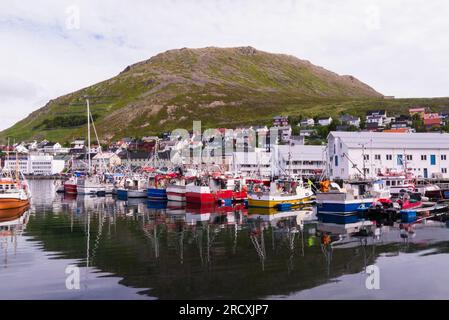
(398, 47)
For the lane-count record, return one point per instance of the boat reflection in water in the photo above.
(167, 251)
(12, 225)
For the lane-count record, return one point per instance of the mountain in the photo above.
(222, 87)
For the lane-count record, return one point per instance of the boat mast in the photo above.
(88, 137)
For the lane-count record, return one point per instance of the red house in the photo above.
(432, 120)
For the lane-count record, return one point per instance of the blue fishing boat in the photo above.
(157, 193)
(344, 205)
(122, 193)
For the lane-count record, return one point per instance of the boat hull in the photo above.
(90, 190)
(273, 201)
(12, 214)
(200, 194)
(12, 203)
(176, 193)
(348, 206)
(136, 193)
(70, 188)
(157, 194)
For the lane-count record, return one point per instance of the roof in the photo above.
(104, 155)
(376, 112)
(398, 130)
(388, 140)
(302, 152)
(417, 110)
(347, 118)
(252, 157)
(134, 155)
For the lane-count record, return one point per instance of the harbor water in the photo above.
(139, 249)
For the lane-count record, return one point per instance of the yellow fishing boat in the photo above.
(281, 192)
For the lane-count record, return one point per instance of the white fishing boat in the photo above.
(89, 185)
(398, 182)
(134, 187)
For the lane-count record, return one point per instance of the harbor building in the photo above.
(299, 160)
(302, 160)
(35, 164)
(355, 155)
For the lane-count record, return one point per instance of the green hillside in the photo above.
(222, 87)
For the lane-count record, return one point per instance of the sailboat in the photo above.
(89, 184)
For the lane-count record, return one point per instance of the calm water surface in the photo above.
(137, 250)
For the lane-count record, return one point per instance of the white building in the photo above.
(354, 155)
(325, 121)
(45, 165)
(255, 163)
(35, 164)
(20, 162)
(307, 122)
(299, 160)
(350, 120)
(302, 160)
(54, 148)
(108, 159)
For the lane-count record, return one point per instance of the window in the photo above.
(409, 157)
(424, 157)
(366, 170)
(377, 157)
(389, 157)
(443, 157)
(366, 157)
(443, 170)
(433, 160)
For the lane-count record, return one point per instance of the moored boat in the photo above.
(280, 192)
(14, 193)
(70, 186)
(343, 205)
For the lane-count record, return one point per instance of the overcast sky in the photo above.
(53, 47)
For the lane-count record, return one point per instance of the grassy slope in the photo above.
(220, 87)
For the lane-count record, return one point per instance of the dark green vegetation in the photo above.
(221, 87)
(64, 122)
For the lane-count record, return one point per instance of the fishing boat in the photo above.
(14, 192)
(209, 190)
(158, 189)
(398, 182)
(291, 192)
(134, 187)
(70, 186)
(343, 205)
(176, 192)
(89, 185)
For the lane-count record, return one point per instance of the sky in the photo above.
(53, 47)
